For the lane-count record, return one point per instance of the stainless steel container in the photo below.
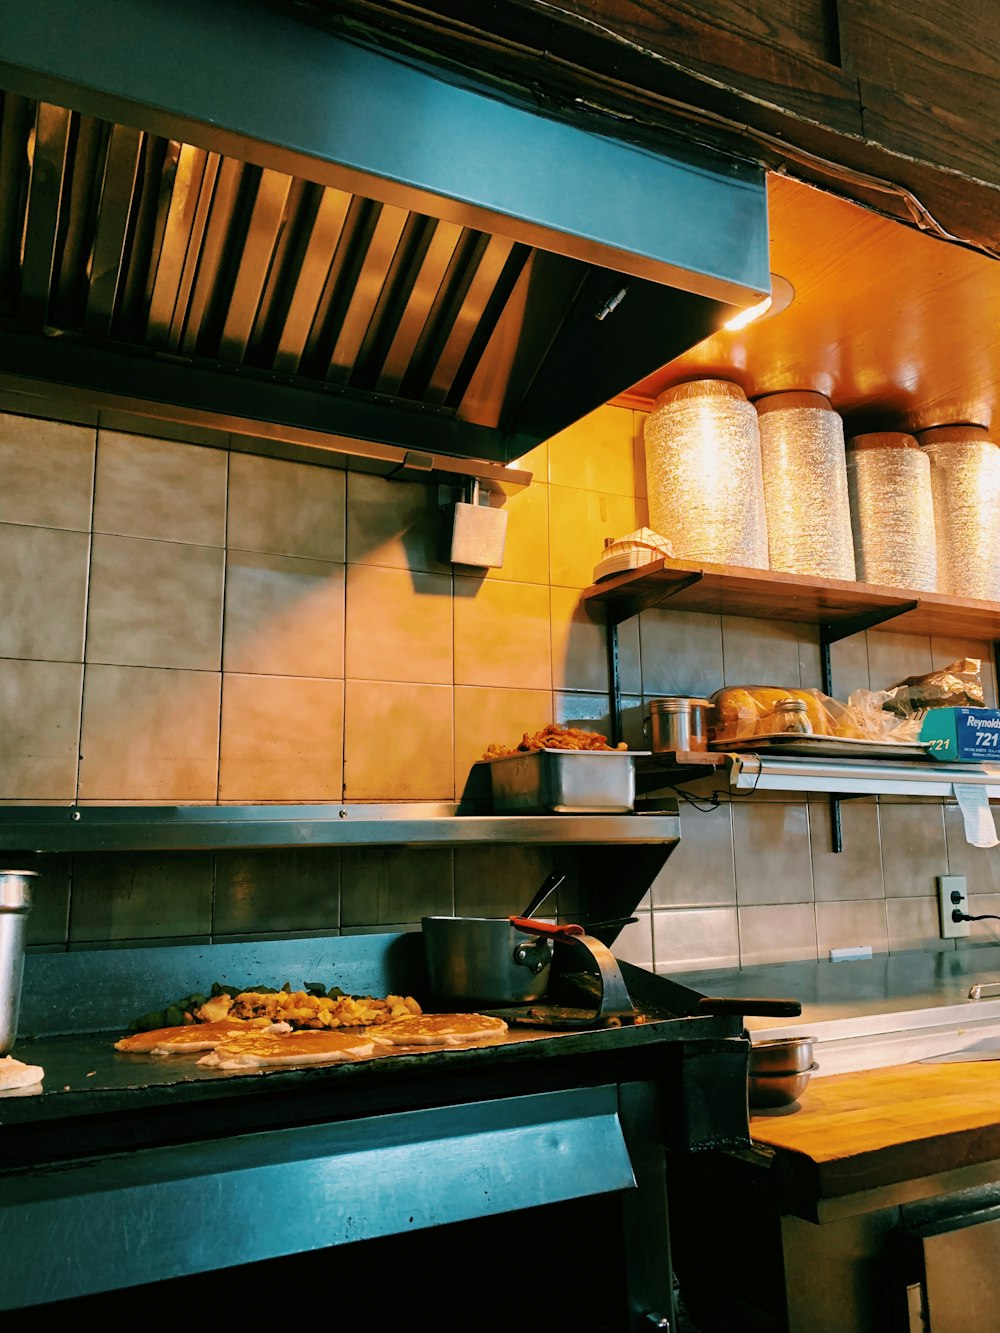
(564, 782)
(15, 904)
(484, 960)
(677, 723)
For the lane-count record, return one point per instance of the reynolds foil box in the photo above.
(962, 733)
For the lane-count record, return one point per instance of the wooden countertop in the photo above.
(852, 1132)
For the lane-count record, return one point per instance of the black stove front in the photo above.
(128, 1171)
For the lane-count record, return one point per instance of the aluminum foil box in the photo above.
(962, 733)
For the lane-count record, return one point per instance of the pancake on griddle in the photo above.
(440, 1030)
(288, 1048)
(189, 1037)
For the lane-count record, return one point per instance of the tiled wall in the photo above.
(179, 624)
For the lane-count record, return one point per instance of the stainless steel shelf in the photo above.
(850, 777)
(111, 828)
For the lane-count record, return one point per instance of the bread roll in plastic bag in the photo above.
(740, 712)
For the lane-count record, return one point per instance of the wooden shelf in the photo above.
(844, 608)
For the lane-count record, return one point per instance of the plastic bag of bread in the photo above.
(876, 724)
(740, 712)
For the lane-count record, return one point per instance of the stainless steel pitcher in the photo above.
(15, 904)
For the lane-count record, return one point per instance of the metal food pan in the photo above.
(565, 782)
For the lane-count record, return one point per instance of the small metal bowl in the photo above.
(765, 1090)
(781, 1055)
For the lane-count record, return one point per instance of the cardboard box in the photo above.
(966, 734)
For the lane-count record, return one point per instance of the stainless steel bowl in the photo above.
(764, 1090)
(781, 1055)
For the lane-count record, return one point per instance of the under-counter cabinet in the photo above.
(871, 1207)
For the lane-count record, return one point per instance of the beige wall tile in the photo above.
(782, 934)
(629, 656)
(893, 657)
(43, 592)
(500, 881)
(983, 932)
(48, 920)
(277, 890)
(979, 865)
(760, 652)
(161, 489)
(844, 925)
(579, 521)
(284, 616)
(913, 923)
(392, 523)
(484, 717)
(141, 895)
(149, 734)
(155, 603)
(596, 453)
(681, 653)
(590, 712)
(856, 871)
(282, 739)
(399, 625)
(810, 657)
(502, 634)
(579, 643)
(535, 461)
(639, 451)
(396, 885)
(526, 545)
(46, 472)
(39, 729)
(849, 665)
(700, 871)
(286, 508)
(700, 937)
(398, 742)
(635, 943)
(914, 848)
(772, 854)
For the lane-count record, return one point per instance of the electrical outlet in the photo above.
(953, 896)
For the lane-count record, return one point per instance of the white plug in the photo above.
(953, 896)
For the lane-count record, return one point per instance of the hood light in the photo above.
(780, 299)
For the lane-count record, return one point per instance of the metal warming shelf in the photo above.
(416, 824)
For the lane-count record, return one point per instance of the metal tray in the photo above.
(565, 781)
(824, 747)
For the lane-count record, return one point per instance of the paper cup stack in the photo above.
(805, 485)
(889, 479)
(703, 474)
(965, 484)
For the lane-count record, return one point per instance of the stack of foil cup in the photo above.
(892, 511)
(965, 483)
(805, 485)
(703, 474)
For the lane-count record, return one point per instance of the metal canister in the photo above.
(15, 904)
(677, 723)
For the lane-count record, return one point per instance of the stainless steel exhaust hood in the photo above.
(216, 216)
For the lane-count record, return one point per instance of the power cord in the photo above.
(956, 915)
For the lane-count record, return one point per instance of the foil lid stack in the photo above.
(892, 510)
(965, 484)
(703, 474)
(805, 485)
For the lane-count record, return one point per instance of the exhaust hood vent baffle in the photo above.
(163, 241)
